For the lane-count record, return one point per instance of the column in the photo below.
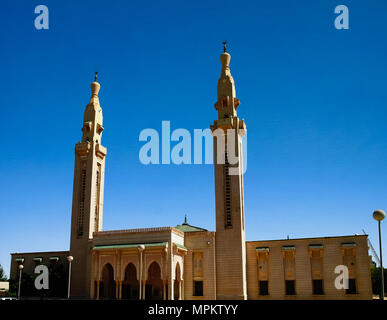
(117, 288)
(119, 274)
(170, 274)
(98, 281)
(143, 289)
(120, 290)
(165, 289)
(180, 289)
(141, 248)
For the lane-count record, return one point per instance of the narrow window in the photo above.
(290, 287)
(263, 288)
(318, 287)
(316, 254)
(289, 263)
(227, 192)
(349, 259)
(97, 194)
(82, 198)
(352, 287)
(263, 272)
(198, 288)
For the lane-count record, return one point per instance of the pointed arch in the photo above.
(107, 286)
(154, 284)
(130, 284)
(176, 284)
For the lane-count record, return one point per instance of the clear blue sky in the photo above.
(313, 97)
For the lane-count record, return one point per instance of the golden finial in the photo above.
(224, 46)
(95, 86)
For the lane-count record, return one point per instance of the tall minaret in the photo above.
(87, 209)
(230, 222)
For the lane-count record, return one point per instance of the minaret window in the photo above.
(82, 198)
(227, 192)
(242, 184)
(97, 194)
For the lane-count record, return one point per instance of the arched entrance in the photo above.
(176, 285)
(107, 286)
(130, 284)
(154, 284)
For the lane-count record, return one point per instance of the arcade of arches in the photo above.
(119, 277)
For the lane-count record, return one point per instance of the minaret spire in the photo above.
(93, 119)
(229, 203)
(226, 85)
(88, 191)
(95, 87)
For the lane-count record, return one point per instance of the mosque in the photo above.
(189, 262)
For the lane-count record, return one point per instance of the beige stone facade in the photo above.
(188, 262)
(310, 264)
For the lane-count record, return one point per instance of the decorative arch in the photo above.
(177, 282)
(130, 285)
(148, 265)
(107, 285)
(150, 258)
(103, 261)
(125, 261)
(154, 284)
(132, 268)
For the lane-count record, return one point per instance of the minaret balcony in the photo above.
(100, 151)
(230, 123)
(82, 148)
(226, 123)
